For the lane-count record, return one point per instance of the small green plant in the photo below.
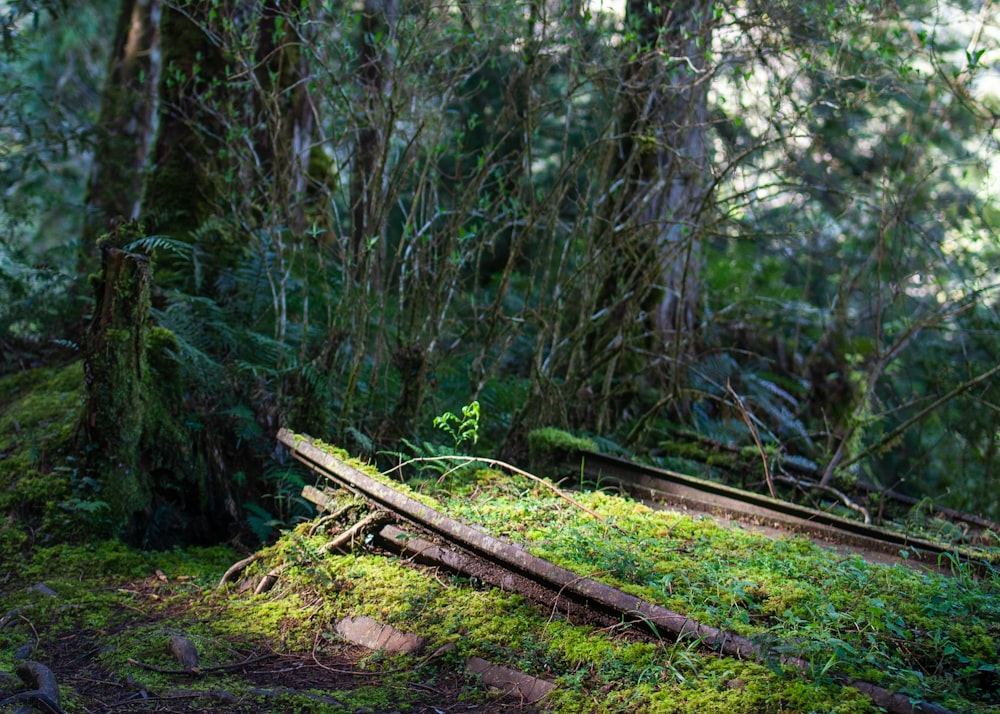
(461, 428)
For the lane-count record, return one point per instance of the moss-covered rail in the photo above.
(663, 486)
(560, 581)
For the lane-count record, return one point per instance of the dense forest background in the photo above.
(682, 228)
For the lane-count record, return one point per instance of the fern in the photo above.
(151, 244)
(775, 402)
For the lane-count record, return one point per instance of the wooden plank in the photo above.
(317, 496)
(528, 689)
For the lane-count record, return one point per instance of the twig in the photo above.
(268, 581)
(372, 521)
(756, 438)
(883, 359)
(34, 697)
(202, 670)
(807, 485)
(895, 433)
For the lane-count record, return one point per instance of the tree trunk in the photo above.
(647, 250)
(663, 158)
(180, 188)
(125, 127)
(229, 122)
(117, 382)
(283, 113)
(368, 212)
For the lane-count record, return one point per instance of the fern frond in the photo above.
(149, 244)
(710, 374)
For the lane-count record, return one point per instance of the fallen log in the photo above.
(595, 595)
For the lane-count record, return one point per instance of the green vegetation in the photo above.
(42, 488)
(926, 634)
(548, 448)
(913, 630)
(754, 242)
(732, 223)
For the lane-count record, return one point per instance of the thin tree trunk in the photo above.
(180, 190)
(284, 113)
(648, 242)
(367, 245)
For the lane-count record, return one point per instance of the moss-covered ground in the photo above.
(100, 615)
(927, 634)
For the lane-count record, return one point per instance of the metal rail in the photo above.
(659, 485)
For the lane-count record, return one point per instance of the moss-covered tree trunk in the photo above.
(117, 383)
(225, 175)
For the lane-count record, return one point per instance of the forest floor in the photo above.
(106, 620)
(103, 619)
(106, 639)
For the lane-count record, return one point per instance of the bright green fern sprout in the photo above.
(461, 428)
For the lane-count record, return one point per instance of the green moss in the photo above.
(161, 348)
(119, 383)
(685, 450)
(920, 633)
(38, 428)
(41, 405)
(549, 448)
(842, 613)
(725, 686)
(373, 473)
(631, 675)
(551, 439)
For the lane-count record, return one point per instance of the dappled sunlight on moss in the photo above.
(920, 632)
(893, 625)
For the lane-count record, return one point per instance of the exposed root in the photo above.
(237, 568)
(369, 524)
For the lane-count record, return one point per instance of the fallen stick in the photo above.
(237, 568)
(370, 523)
(202, 671)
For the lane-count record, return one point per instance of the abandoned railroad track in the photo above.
(663, 487)
(419, 532)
